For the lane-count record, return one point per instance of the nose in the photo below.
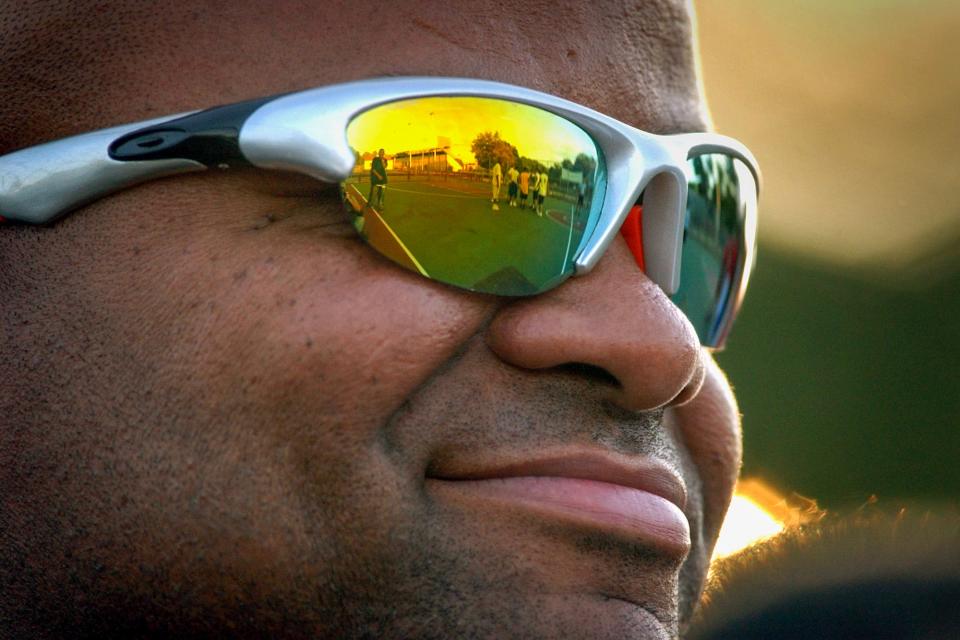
(613, 318)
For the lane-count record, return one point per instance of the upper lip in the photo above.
(646, 474)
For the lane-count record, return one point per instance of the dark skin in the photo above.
(212, 426)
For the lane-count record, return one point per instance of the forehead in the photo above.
(632, 60)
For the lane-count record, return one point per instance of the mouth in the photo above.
(639, 500)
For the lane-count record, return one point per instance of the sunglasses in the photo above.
(481, 185)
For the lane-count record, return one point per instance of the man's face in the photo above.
(233, 416)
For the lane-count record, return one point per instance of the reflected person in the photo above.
(512, 176)
(378, 180)
(542, 191)
(534, 189)
(524, 186)
(496, 182)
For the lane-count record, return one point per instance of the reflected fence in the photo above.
(363, 175)
(473, 180)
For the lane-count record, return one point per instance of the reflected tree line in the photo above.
(489, 148)
(714, 180)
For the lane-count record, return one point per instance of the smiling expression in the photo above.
(241, 417)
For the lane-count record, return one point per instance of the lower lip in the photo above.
(639, 515)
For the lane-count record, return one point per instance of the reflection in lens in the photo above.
(712, 274)
(485, 194)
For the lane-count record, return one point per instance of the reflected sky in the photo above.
(417, 124)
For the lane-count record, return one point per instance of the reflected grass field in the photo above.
(454, 232)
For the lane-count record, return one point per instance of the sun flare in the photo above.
(757, 513)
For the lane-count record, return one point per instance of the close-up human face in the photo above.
(237, 418)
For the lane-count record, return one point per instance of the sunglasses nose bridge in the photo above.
(664, 208)
(658, 171)
(291, 134)
(626, 174)
(664, 189)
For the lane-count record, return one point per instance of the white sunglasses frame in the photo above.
(306, 132)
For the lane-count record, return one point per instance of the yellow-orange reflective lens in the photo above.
(482, 193)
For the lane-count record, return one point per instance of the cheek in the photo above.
(318, 328)
(710, 427)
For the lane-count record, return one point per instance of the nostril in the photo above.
(590, 372)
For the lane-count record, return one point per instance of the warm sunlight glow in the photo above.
(758, 512)
(746, 523)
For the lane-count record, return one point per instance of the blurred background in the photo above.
(846, 356)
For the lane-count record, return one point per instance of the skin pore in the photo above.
(224, 413)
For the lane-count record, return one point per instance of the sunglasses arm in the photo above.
(41, 183)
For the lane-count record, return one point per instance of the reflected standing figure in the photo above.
(534, 190)
(378, 180)
(496, 181)
(524, 186)
(512, 177)
(542, 192)
(581, 192)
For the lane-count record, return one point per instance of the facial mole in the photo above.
(263, 222)
(571, 53)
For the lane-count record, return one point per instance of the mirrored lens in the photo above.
(485, 194)
(718, 241)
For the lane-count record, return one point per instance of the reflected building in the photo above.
(436, 159)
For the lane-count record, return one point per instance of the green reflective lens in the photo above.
(486, 194)
(715, 239)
